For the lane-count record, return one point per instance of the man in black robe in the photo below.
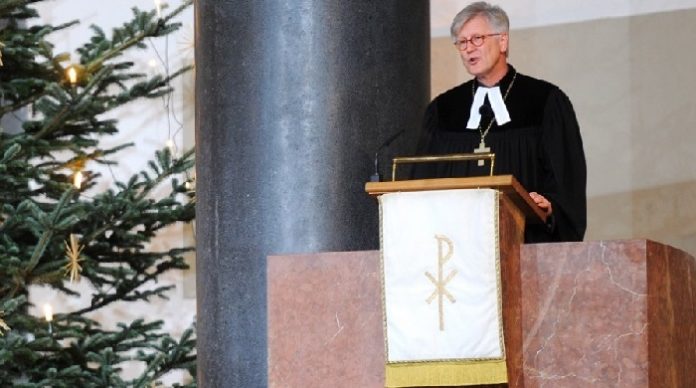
(528, 123)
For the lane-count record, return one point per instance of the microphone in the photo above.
(375, 176)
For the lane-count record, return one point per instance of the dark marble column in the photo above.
(293, 98)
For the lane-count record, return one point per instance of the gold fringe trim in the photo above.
(381, 270)
(498, 272)
(436, 374)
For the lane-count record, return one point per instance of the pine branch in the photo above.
(51, 223)
(69, 105)
(9, 5)
(24, 79)
(125, 38)
(169, 355)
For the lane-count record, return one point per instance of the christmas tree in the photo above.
(59, 225)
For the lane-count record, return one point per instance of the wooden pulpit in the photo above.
(515, 209)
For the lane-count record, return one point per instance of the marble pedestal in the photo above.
(602, 313)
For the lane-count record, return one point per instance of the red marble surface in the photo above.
(585, 314)
(325, 321)
(594, 314)
(608, 314)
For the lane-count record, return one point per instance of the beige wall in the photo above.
(633, 86)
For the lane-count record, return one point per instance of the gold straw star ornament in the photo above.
(72, 253)
(3, 325)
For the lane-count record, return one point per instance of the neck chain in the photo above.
(482, 146)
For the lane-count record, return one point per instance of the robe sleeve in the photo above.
(565, 171)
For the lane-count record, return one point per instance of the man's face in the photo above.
(489, 59)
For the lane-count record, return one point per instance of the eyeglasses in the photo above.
(476, 40)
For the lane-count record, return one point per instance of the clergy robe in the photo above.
(541, 146)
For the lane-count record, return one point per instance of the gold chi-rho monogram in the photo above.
(440, 291)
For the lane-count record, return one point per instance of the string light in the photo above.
(72, 75)
(48, 313)
(152, 63)
(158, 8)
(170, 144)
(77, 179)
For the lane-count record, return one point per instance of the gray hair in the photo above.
(495, 15)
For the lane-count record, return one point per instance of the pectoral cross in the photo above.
(482, 149)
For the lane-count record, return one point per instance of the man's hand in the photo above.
(543, 203)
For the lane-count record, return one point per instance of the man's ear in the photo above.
(504, 42)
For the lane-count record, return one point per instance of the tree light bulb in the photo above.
(48, 312)
(77, 180)
(158, 7)
(72, 75)
(170, 144)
